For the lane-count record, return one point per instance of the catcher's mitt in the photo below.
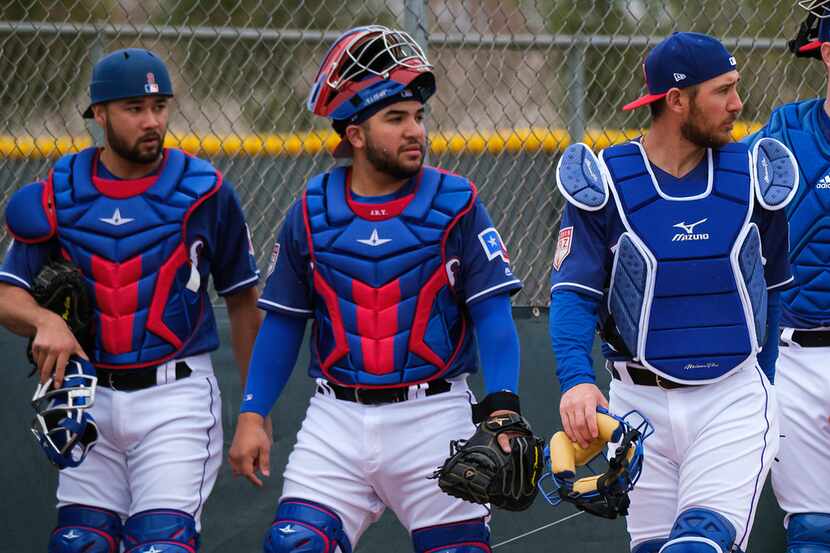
(59, 287)
(478, 471)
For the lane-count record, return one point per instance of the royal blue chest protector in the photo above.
(385, 312)
(687, 290)
(807, 304)
(129, 243)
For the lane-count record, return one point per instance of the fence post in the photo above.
(415, 21)
(577, 90)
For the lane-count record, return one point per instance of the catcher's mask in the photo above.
(366, 66)
(605, 494)
(61, 426)
(814, 30)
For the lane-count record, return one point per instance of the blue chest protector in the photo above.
(385, 312)
(807, 304)
(130, 246)
(687, 288)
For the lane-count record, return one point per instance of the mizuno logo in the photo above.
(823, 182)
(287, 529)
(71, 535)
(589, 170)
(116, 219)
(374, 239)
(689, 230)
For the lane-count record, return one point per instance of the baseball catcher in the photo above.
(479, 470)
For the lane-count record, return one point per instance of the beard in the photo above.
(700, 135)
(385, 162)
(133, 152)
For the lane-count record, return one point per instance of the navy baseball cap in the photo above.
(680, 61)
(128, 73)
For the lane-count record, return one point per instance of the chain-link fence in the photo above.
(518, 80)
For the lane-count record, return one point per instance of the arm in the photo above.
(245, 319)
(573, 318)
(275, 353)
(769, 354)
(498, 348)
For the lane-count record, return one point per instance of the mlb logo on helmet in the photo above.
(152, 86)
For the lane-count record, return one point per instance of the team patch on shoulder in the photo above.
(275, 254)
(493, 245)
(563, 246)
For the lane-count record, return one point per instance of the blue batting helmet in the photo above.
(128, 73)
(62, 426)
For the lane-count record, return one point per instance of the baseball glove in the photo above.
(59, 287)
(478, 471)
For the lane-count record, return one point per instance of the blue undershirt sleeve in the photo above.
(275, 353)
(498, 343)
(769, 355)
(573, 319)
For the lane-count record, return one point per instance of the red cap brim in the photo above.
(647, 99)
(815, 45)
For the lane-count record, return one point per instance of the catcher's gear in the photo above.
(83, 529)
(366, 65)
(814, 30)
(62, 426)
(161, 530)
(59, 287)
(606, 494)
(479, 471)
(302, 525)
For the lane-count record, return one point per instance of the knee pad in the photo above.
(808, 533)
(302, 526)
(700, 531)
(469, 536)
(650, 546)
(83, 529)
(162, 531)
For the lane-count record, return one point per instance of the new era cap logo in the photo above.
(679, 77)
(732, 61)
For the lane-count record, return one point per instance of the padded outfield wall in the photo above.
(237, 514)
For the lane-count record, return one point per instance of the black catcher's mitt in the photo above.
(480, 472)
(59, 287)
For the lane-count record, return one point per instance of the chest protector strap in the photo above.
(687, 290)
(385, 311)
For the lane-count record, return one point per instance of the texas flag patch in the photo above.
(563, 246)
(493, 245)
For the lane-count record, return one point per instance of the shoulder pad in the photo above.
(30, 213)
(776, 173)
(579, 178)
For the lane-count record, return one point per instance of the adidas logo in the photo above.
(823, 182)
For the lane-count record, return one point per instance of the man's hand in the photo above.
(578, 409)
(52, 346)
(251, 448)
(504, 438)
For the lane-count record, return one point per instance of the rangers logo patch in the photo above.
(563, 246)
(275, 254)
(493, 245)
